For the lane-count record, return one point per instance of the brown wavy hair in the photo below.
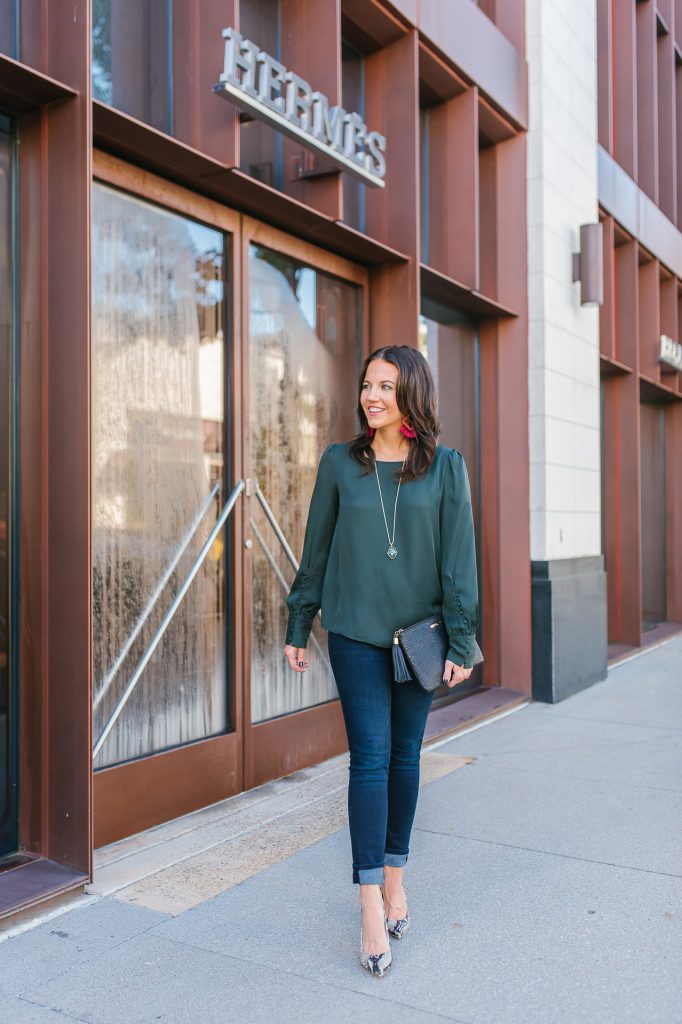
(416, 399)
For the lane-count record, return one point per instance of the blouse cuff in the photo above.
(297, 634)
(461, 651)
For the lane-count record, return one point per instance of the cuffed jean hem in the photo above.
(395, 860)
(368, 876)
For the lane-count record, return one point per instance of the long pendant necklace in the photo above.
(392, 551)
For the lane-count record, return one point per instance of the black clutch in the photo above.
(419, 652)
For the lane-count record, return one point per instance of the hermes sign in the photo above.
(671, 352)
(261, 85)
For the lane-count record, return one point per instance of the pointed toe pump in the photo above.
(376, 963)
(397, 926)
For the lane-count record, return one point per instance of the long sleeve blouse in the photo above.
(344, 568)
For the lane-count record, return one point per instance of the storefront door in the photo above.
(305, 314)
(166, 714)
(225, 357)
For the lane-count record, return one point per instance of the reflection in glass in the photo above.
(304, 343)
(131, 58)
(157, 451)
(8, 838)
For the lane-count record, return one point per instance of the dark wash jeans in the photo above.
(385, 724)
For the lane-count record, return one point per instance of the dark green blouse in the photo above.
(346, 572)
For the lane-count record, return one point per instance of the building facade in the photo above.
(211, 213)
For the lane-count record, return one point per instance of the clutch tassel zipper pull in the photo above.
(400, 670)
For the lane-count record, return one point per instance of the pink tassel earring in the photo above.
(371, 431)
(407, 431)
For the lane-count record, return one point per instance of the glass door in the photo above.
(163, 722)
(449, 342)
(303, 352)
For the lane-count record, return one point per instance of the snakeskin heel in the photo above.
(376, 963)
(398, 926)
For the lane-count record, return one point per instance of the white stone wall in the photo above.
(563, 375)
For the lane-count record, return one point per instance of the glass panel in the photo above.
(449, 342)
(260, 146)
(157, 451)
(8, 837)
(9, 27)
(654, 527)
(353, 99)
(131, 58)
(304, 349)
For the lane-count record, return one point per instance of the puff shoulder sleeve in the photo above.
(458, 562)
(305, 596)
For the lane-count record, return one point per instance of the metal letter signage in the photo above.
(671, 352)
(259, 84)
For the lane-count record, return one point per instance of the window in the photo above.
(132, 53)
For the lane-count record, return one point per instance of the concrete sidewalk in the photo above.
(545, 884)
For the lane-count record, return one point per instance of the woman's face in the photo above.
(378, 395)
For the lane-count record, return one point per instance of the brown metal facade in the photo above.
(453, 64)
(639, 123)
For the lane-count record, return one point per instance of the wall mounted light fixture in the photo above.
(588, 266)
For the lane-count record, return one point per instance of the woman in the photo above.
(389, 540)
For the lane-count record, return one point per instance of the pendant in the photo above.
(392, 552)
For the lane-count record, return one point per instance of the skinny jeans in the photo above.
(385, 723)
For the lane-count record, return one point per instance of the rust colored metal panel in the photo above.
(626, 312)
(437, 80)
(54, 555)
(392, 213)
(510, 18)
(66, 533)
(142, 793)
(607, 313)
(667, 155)
(311, 45)
(453, 188)
(622, 508)
(605, 59)
(506, 566)
(23, 89)
(673, 456)
(369, 24)
(480, 52)
(394, 304)
(624, 85)
(649, 321)
(454, 294)
(203, 119)
(647, 121)
(286, 745)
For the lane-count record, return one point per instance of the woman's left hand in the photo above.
(453, 674)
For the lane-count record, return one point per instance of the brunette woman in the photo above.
(389, 540)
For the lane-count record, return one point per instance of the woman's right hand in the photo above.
(296, 657)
